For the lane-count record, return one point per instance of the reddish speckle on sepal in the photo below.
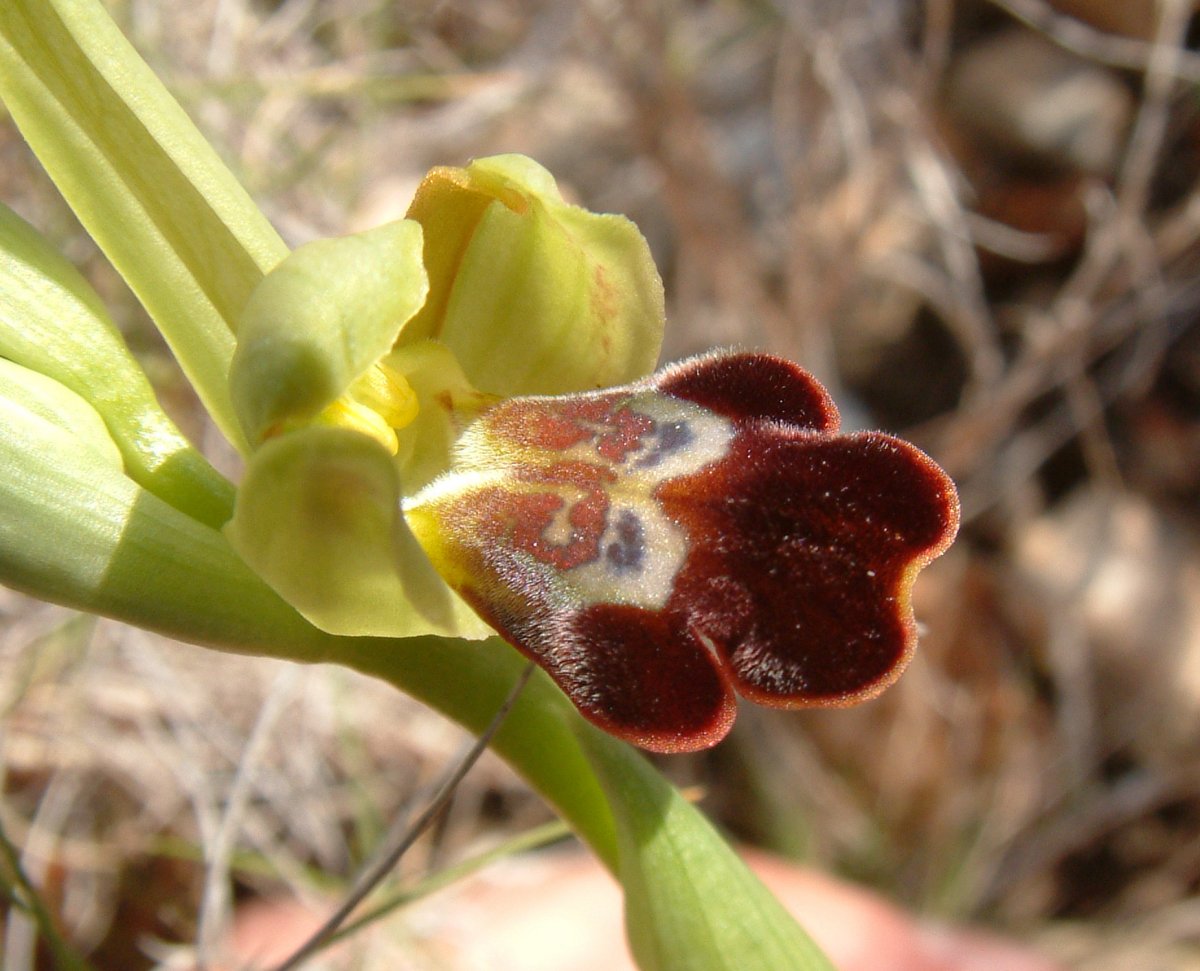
(659, 547)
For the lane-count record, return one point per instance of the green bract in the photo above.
(343, 373)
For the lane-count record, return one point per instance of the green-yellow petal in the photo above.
(318, 517)
(533, 295)
(319, 321)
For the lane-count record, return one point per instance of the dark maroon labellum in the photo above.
(659, 547)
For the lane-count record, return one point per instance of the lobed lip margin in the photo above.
(802, 546)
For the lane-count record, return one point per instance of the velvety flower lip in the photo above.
(661, 546)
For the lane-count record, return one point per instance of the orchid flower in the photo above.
(658, 547)
(450, 432)
(654, 547)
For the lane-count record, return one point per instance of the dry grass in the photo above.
(828, 181)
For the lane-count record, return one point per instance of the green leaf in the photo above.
(318, 517)
(144, 183)
(52, 322)
(34, 396)
(76, 530)
(690, 903)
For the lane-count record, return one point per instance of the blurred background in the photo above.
(977, 221)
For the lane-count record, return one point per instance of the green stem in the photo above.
(26, 895)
